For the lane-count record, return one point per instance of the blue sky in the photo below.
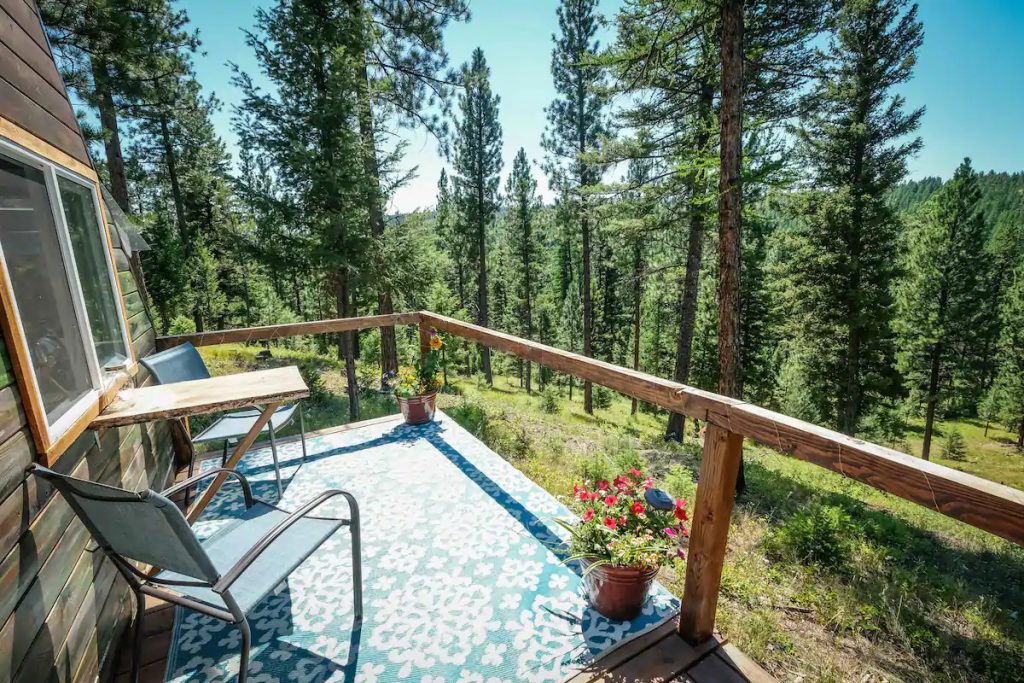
(970, 77)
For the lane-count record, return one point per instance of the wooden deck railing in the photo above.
(981, 503)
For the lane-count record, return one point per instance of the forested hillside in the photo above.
(755, 236)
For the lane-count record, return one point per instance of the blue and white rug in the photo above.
(461, 583)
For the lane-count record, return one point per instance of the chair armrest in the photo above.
(261, 545)
(181, 486)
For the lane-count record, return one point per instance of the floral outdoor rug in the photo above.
(461, 582)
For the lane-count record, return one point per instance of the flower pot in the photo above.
(418, 409)
(617, 591)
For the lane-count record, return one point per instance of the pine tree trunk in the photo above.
(588, 313)
(730, 203)
(111, 136)
(481, 284)
(172, 173)
(1020, 434)
(933, 400)
(638, 265)
(346, 343)
(375, 210)
(676, 427)
(528, 285)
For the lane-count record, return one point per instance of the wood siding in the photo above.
(62, 604)
(32, 94)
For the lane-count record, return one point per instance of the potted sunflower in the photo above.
(626, 531)
(415, 387)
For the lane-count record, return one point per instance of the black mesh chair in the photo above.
(183, 363)
(224, 576)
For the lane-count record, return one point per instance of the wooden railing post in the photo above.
(709, 532)
(424, 341)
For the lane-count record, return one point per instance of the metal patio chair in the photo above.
(183, 363)
(224, 576)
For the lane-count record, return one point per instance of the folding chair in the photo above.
(224, 576)
(183, 363)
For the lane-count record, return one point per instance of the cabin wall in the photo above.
(32, 94)
(62, 604)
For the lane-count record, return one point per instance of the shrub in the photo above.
(955, 447)
(314, 379)
(182, 324)
(471, 416)
(549, 399)
(602, 397)
(819, 534)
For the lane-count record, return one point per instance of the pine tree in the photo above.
(1008, 389)
(843, 254)
(942, 297)
(520, 193)
(402, 76)
(118, 55)
(477, 166)
(450, 241)
(308, 127)
(575, 120)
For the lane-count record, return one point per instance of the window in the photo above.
(65, 298)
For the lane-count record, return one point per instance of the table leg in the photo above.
(240, 450)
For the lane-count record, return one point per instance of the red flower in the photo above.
(680, 514)
(594, 496)
(635, 472)
(583, 495)
(622, 521)
(648, 483)
(610, 523)
(637, 508)
(610, 500)
(588, 515)
(602, 485)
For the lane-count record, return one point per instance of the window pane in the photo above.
(32, 252)
(90, 248)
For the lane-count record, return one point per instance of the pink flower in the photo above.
(669, 531)
(583, 495)
(648, 483)
(588, 515)
(602, 485)
(637, 508)
(635, 472)
(610, 523)
(680, 553)
(622, 521)
(595, 495)
(610, 500)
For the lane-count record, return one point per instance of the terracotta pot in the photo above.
(418, 409)
(618, 592)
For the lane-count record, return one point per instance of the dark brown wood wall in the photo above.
(62, 604)
(32, 94)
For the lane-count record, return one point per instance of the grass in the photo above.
(993, 457)
(826, 579)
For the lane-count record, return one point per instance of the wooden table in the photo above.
(267, 388)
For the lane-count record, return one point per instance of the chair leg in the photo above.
(357, 562)
(224, 453)
(140, 615)
(191, 470)
(243, 663)
(273, 452)
(302, 431)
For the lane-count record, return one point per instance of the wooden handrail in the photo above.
(979, 502)
(243, 335)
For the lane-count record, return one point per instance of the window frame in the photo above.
(53, 439)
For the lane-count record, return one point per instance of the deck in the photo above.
(658, 654)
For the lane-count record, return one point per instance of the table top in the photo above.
(181, 399)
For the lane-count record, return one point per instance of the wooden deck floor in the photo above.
(658, 656)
